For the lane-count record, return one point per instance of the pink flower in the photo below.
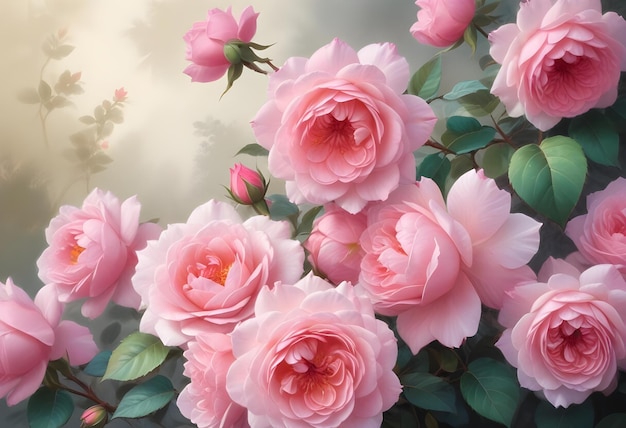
(600, 235)
(422, 257)
(31, 335)
(246, 185)
(441, 23)
(339, 128)
(333, 245)
(561, 58)
(313, 355)
(567, 336)
(120, 95)
(206, 40)
(205, 400)
(204, 275)
(91, 252)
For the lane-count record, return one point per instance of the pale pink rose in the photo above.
(91, 252)
(313, 355)
(339, 128)
(560, 59)
(32, 334)
(205, 400)
(204, 275)
(600, 235)
(206, 40)
(567, 336)
(422, 257)
(441, 23)
(333, 245)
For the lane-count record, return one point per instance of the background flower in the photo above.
(339, 128)
(441, 23)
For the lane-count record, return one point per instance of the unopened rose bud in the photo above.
(247, 186)
(94, 417)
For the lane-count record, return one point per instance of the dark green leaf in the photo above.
(306, 224)
(435, 166)
(429, 392)
(136, 356)
(615, 420)
(111, 332)
(98, 365)
(466, 134)
(495, 159)
(281, 208)
(145, 398)
(547, 416)
(49, 409)
(253, 149)
(597, 136)
(425, 82)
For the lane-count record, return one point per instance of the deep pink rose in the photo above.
(246, 185)
(567, 336)
(32, 334)
(339, 128)
(204, 275)
(91, 252)
(333, 245)
(441, 23)
(313, 355)
(560, 59)
(206, 40)
(205, 400)
(600, 235)
(422, 257)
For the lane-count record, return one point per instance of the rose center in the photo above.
(328, 130)
(213, 269)
(75, 252)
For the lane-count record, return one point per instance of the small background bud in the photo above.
(94, 417)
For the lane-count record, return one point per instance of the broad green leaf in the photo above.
(574, 416)
(136, 356)
(459, 166)
(615, 420)
(464, 88)
(481, 103)
(429, 392)
(98, 365)
(145, 398)
(597, 136)
(29, 96)
(495, 159)
(435, 166)
(49, 409)
(549, 177)
(491, 389)
(253, 149)
(425, 82)
(281, 208)
(466, 134)
(306, 224)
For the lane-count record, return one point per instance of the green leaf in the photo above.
(481, 103)
(425, 82)
(281, 208)
(28, 96)
(495, 159)
(491, 389)
(597, 136)
(253, 149)
(466, 134)
(436, 166)
(464, 88)
(306, 224)
(145, 398)
(49, 409)
(614, 420)
(98, 365)
(470, 37)
(429, 392)
(136, 356)
(44, 91)
(549, 177)
(574, 416)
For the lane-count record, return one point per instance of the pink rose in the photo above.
(333, 245)
(31, 335)
(91, 252)
(204, 275)
(339, 128)
(567, 336)
(313, 355)
(600, 235)
(441, 23)
(422, 257)
(205, 400)
(561, 58)
(206, 40)
(246, 185)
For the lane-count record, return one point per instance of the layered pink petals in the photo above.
(567, 336)
(92, 252)
(422, 257)
(441, 23)
(206, 40)
(338, 127)
(204, 275)
(561, 58)
(313, 355)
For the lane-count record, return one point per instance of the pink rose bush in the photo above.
(313, 355)
(333, 245)
(560, 59)
(32, 334)
(441, 23)
(91, 252)
(567, 335)
(206, 40)
(205, 274)
(339, 128)
(424, 255)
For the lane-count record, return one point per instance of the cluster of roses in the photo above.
(265, 345)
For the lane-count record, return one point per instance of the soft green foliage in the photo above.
(98, 365)
(428, 391)
(496, 158)
(49, 408)
(136, 356)
(436, 166)
(597, 136)
(145, 398)
(253, 149)
(425, 82)
(574, 416)
(466, 134)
